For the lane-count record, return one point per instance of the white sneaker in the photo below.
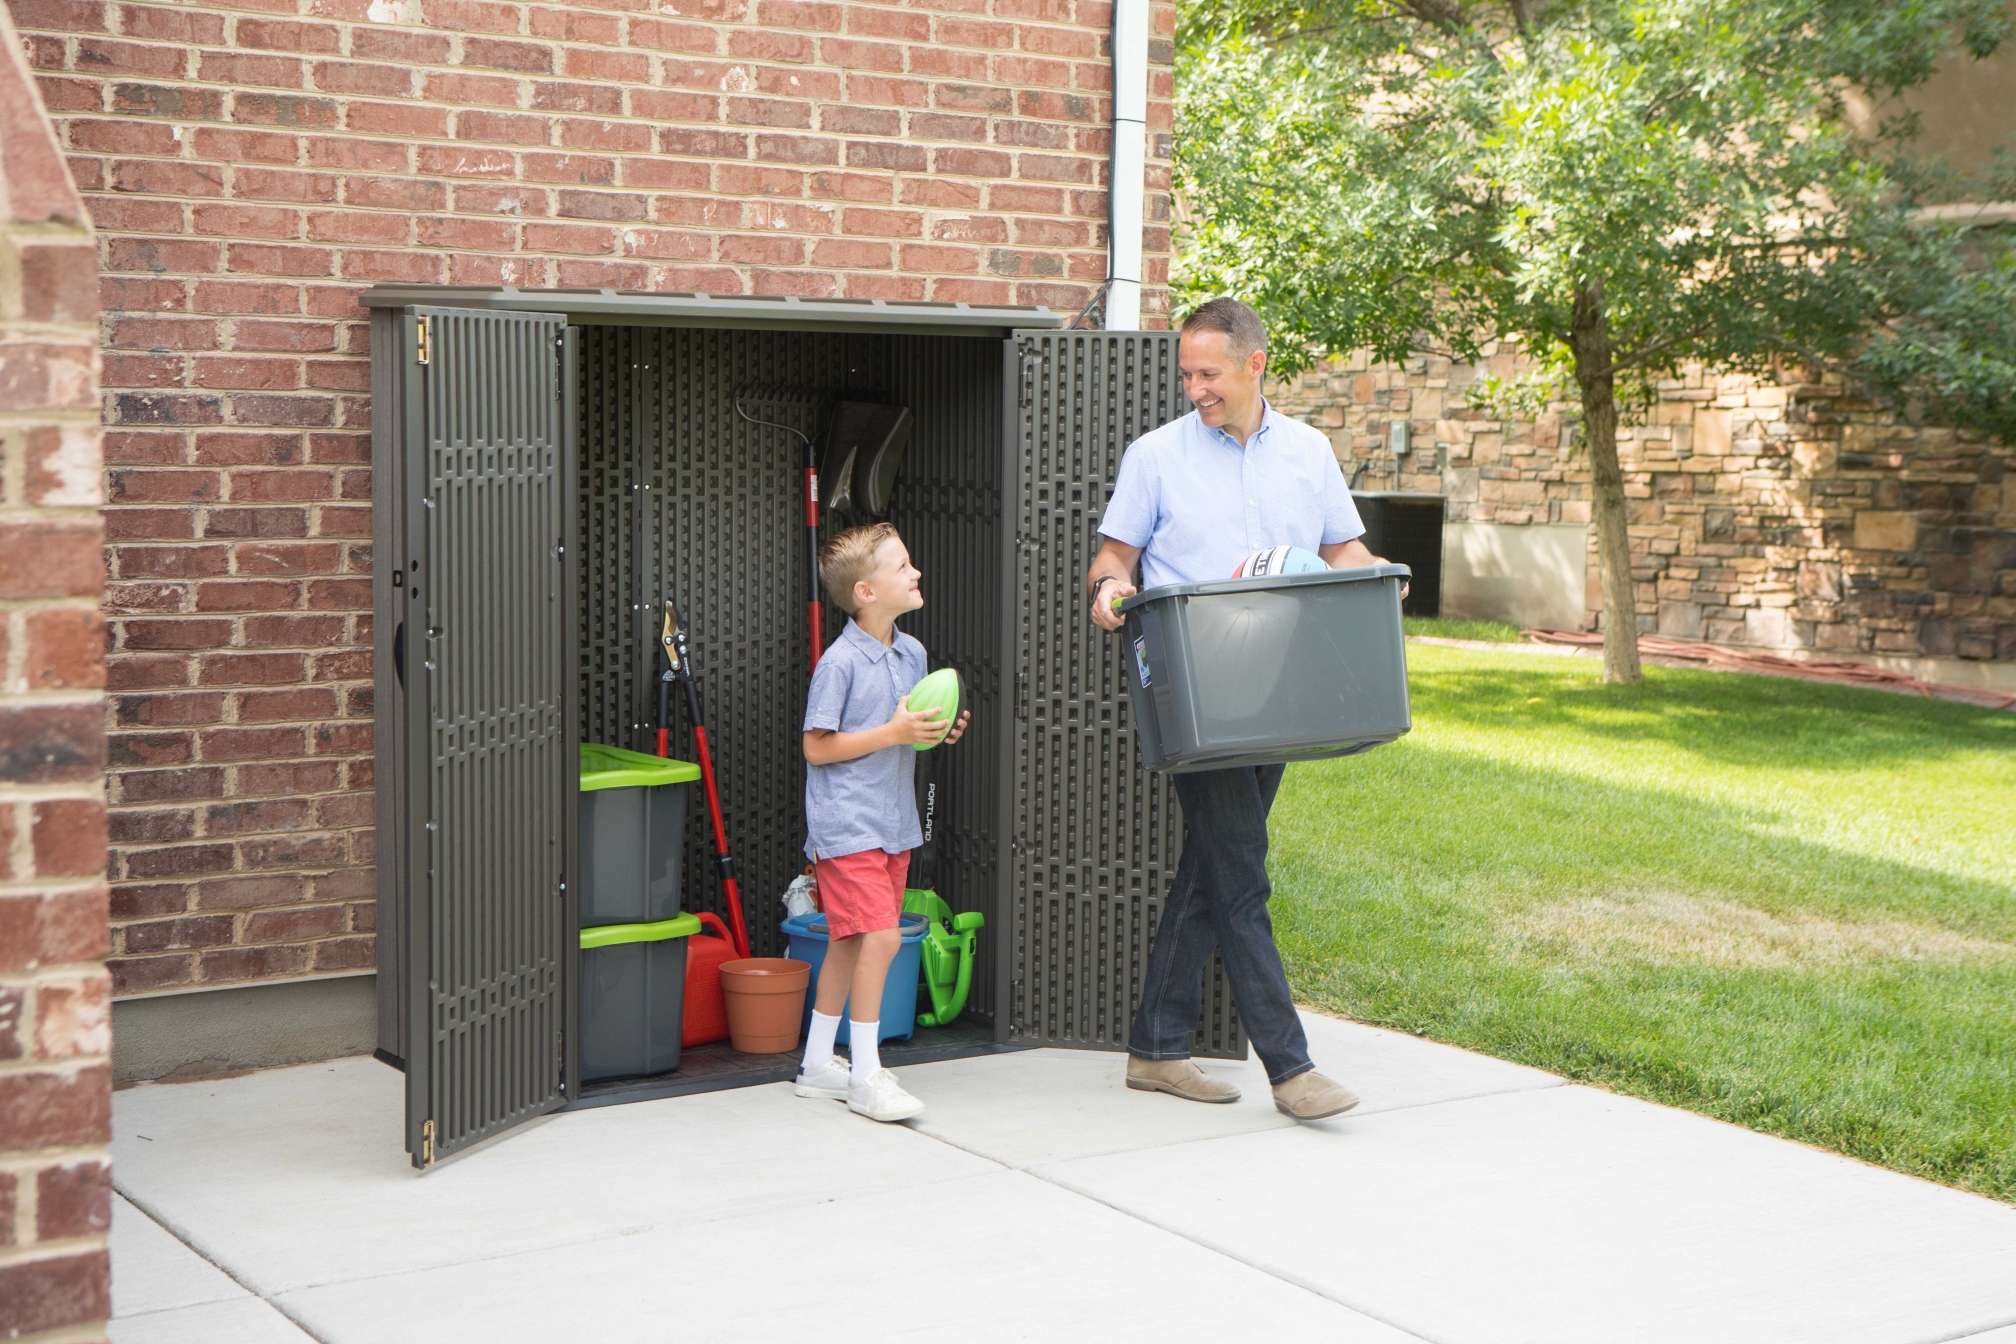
(882, 1098)
(829, 1080)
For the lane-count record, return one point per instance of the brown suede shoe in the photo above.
(1311, 1096)
(1179, 1078)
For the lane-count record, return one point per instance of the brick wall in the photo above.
(252, 166)
(55, 1024)
(1784, 515)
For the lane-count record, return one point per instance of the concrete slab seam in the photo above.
(1970, 1332)
(177, 1233)
(1169, 1231)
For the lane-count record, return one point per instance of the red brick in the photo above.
(120, 294)
(803, 14)
(73, 1200)
(578, 238)
(942, 193)
(887, 90)
(154, 100)
(163, 24)
(273, 184)
(764, 44)
(703, 144)
(500, 127)
(399, 264)
(588, 170)
(254, 817)
(397, 45)
(961, 31)
(64, 650)
(882, 223)
(848, 254)
(122, 137)
(890, 157)
(473, 16)
(66, 1290)
(614, 67)
(148, 524)
(900, 25)
(253, 963)
(804, 284)
(345, 954)
(587, 275)
(159, 178)
(240, 70)
(661, 35)
(369, 156)
(941, 126)
(396, 119)
(930, 257)
(249, 744)
(891, 287)
(302, 412)
(767, 112)
(134, 751)
(764, 249)
(51, 930)
(69, 837)
(279, 109)
(176, 935)
(281, 35)
(103, 56)
(43, 558)
(161, 255)
(147, 828)
(290, 926)
(573, 25)
(797, 149)
(472, 90)
(754, 180)
(248, 892)
(137, 975)
(148, 900)
(378, 81)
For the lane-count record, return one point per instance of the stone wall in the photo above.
(253, 164)
(55, 1037)
(1786, 515)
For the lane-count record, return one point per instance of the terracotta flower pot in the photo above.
(766, 1001)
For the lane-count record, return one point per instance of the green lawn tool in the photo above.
(948, 955)
(947, 960)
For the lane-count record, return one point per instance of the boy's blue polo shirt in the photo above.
(869, 802)
(1198, 504)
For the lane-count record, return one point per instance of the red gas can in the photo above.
(706, 1012)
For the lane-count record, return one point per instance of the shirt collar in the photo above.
(1268, 416)
(874, 649)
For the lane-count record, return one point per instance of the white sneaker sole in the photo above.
(829, 1093)
(910, 1112)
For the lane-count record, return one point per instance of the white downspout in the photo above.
(1128, 177)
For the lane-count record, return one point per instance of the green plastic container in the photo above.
(633, 994)
(633, 835)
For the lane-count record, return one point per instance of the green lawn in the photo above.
(1788, 905)
(1494, 632)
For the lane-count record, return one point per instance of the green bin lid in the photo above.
(612, 935)
(614, 768)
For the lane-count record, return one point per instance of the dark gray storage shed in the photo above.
(549, 465)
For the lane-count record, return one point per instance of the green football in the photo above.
(940, 690)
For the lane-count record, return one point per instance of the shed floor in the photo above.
(1468, 1201)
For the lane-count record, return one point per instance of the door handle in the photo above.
(399, 654)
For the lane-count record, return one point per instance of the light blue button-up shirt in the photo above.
(1198, 504)
(869, 802)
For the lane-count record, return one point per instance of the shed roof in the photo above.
(634, 307)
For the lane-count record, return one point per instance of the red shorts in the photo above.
(860, 893)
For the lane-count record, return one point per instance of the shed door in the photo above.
(1093, 837)
(493, 779)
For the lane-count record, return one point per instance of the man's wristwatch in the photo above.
(1101, 582)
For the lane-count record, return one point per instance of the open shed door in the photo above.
(490, 772)
(1093, 837)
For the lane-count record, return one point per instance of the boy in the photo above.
(861, 808)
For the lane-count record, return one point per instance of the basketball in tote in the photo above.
(1279, 560)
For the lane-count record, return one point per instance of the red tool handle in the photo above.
(729, 888)
(664, 741)
(816, 618)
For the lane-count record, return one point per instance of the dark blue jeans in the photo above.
(1219, 901)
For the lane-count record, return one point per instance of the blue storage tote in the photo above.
(899, 993)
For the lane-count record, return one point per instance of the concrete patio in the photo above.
(1467, 1201)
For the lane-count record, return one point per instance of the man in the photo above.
(1195, 498)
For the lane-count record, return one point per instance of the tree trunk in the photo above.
(1591, 345)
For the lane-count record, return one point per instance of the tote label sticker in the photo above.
(1141, 658)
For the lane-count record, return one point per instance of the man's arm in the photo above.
(1354, 554)
(1115, 562)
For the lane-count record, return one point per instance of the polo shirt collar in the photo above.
(1268, 416)
(872, 648)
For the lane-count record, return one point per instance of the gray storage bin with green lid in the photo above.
(1291, 667)
(633, 996)
(633, 835)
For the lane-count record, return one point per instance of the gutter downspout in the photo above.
(1127, 179)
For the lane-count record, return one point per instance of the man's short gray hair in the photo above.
(1244, 331)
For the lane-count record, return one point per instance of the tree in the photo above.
(1621, 186)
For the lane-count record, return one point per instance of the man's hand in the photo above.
(1110, 578)
(908, 729)
(1355, 554)
(1103, 614)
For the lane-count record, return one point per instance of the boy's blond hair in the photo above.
(849, 558)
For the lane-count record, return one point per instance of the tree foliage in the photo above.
(1622, 186)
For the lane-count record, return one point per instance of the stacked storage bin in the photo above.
(633, 936)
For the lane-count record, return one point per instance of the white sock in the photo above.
(819, 1041)
(864, 1040)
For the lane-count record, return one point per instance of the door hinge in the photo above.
(423, 346)
(427, 1144)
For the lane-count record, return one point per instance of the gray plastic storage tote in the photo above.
(1294, 667)
(633, 834)
(633, 993)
